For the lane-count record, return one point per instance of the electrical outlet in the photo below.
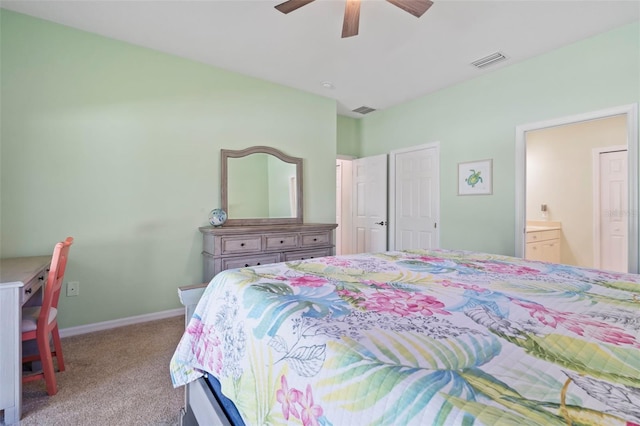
(73, 288)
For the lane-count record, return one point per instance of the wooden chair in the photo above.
(41, 321)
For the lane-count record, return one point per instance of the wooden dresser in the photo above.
(229, 247)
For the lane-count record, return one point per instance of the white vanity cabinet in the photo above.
(230, 247)
(543, 242)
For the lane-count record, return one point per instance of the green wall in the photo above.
(119, 147)
(280, 187)
(247, 186)
(476, 120)
(348, 136)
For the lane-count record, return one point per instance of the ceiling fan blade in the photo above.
(415, 7)
(351, 21)
(291, 5)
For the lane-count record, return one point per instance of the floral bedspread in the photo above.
(420, 337)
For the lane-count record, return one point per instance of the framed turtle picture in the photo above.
(475, 177)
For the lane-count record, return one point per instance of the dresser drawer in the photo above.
(31, 287)
(316, 239)
(533, 237)
(247, 261)
(282, 241)
(231, 245)
(307, 254)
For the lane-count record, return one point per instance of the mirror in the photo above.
(261, 185)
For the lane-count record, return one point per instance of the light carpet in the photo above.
(112, 377)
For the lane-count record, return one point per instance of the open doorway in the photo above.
(569, 176)
(562, 191)
(361, 204)
(343, 205)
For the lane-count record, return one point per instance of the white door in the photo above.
(613, 211)
(415, 194)
(369, 204)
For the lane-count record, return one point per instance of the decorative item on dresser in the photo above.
(217, 217)
(243, 246)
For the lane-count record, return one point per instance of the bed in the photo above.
(419, 337)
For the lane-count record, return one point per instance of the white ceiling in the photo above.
(395, 58)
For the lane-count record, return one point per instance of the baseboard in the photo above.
(106, 325)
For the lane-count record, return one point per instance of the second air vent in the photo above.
(489, 60)
(364, 110)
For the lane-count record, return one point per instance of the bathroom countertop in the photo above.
(542, 226)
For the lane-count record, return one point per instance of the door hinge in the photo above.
(435, 224)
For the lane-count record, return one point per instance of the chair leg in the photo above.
(47, 363)
(58, 347)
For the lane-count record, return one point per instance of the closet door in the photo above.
(613, 207)
(415, 198)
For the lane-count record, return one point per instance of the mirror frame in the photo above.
(225, 154)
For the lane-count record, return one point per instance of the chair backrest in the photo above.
(53, 286)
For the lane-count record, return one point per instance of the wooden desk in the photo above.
(20, 280)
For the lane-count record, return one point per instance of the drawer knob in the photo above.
(41, 278)
(281, 241)
(315, 239)
(246, 265)
(28, 291)
(241, 244)
(258, 263)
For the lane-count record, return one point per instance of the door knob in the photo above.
(382, 222)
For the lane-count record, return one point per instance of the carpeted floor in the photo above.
(112, 377)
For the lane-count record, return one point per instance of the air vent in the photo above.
(364, 110)
(489, 60)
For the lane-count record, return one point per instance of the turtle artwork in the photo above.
(474, 178)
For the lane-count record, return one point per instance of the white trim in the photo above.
(345, 157)
(595, 156)
(631, 112)
(106, 325)
(391, 229)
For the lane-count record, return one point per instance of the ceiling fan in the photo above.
(352, 11)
